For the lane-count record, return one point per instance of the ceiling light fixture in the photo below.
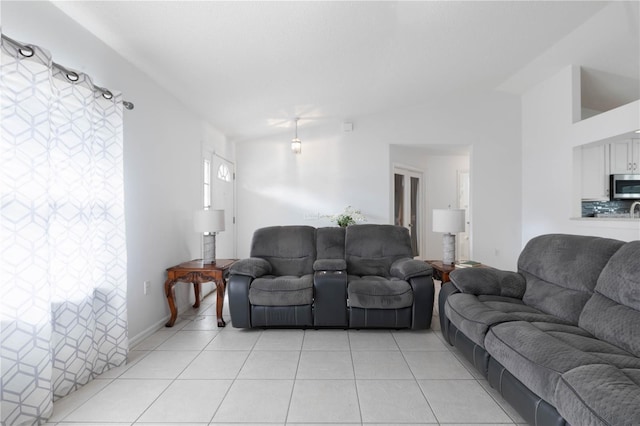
(296, 143)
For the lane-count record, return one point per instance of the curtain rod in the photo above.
(27, 50)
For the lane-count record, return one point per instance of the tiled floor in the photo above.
(197, 374)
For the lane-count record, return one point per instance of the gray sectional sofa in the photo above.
(560, 338)
(363, 276)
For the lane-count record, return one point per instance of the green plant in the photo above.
(350, 216)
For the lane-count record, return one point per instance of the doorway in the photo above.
(223, 197)
(462, 240)
(408, 204)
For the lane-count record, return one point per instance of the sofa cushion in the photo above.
(373, 292)
(371, 249)
(488, 281)
(473, 315)
(291, 250)
(599, 395)
(538, 353)
(252, 267)
(281, 291)
(330, 242)
(562, 270)
(613, 312)
(330, 265)
(406, 268)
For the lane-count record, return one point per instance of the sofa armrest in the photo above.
(446, 290)
(330, 265)
(252, 267)
(423, 294)
(488, 281)
(330, 299)
(239, 307)
(406, 268)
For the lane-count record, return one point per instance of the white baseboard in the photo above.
(135, 340)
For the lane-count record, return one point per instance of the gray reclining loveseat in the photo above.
(559, 339)
(363, 276)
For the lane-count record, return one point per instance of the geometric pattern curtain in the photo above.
(63, 317)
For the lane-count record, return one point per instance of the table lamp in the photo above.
(448, 221)
(208, 222)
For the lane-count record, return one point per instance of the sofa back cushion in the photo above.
(330, 242)
(561, 271)
(371, 249)
(291, 250)
(613, 312)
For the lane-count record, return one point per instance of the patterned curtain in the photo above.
(63, 253)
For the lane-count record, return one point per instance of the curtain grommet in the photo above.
(26, 51)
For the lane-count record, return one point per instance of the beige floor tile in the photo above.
(197, 400)
(63, 407)
(419, 340)
(324, 401)
(120, 401)
(462, 401)
(393, 401)
(280, 340)
(325, 340)
(325, 365)
(372, 340)
(188, 341)
(239, 340)
(380, 365)
(436, 365)
(215, 365)
(255, 401)
(160, 365)
(270, 365)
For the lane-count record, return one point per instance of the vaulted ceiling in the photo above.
(250, 67)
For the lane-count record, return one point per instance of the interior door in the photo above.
(463, 246)
(223, 197)
(407, 205)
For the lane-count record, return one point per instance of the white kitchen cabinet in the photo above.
(595, 172)
(625, 156)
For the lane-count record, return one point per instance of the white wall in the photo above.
(162, 152)
(337, 169)
(549, 135)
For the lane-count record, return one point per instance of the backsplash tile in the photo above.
(593, 208)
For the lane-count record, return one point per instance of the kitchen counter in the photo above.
(611, 218)
(621, 228)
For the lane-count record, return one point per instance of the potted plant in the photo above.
(350, 216)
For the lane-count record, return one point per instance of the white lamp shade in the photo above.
(208, 221)
(448, 220)
(296, 146)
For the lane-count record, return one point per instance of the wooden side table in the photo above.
(197, 272)
(440, 270)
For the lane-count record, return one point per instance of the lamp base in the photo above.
(449, 249)
(209, 248)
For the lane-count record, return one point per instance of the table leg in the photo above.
(196, 290)
(220, 289)
(171, 297)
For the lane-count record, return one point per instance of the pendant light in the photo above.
(296, 143)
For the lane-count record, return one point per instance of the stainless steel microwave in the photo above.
(624, 187)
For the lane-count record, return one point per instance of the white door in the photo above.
(462, 239)
(407, 204)
(223, 197)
